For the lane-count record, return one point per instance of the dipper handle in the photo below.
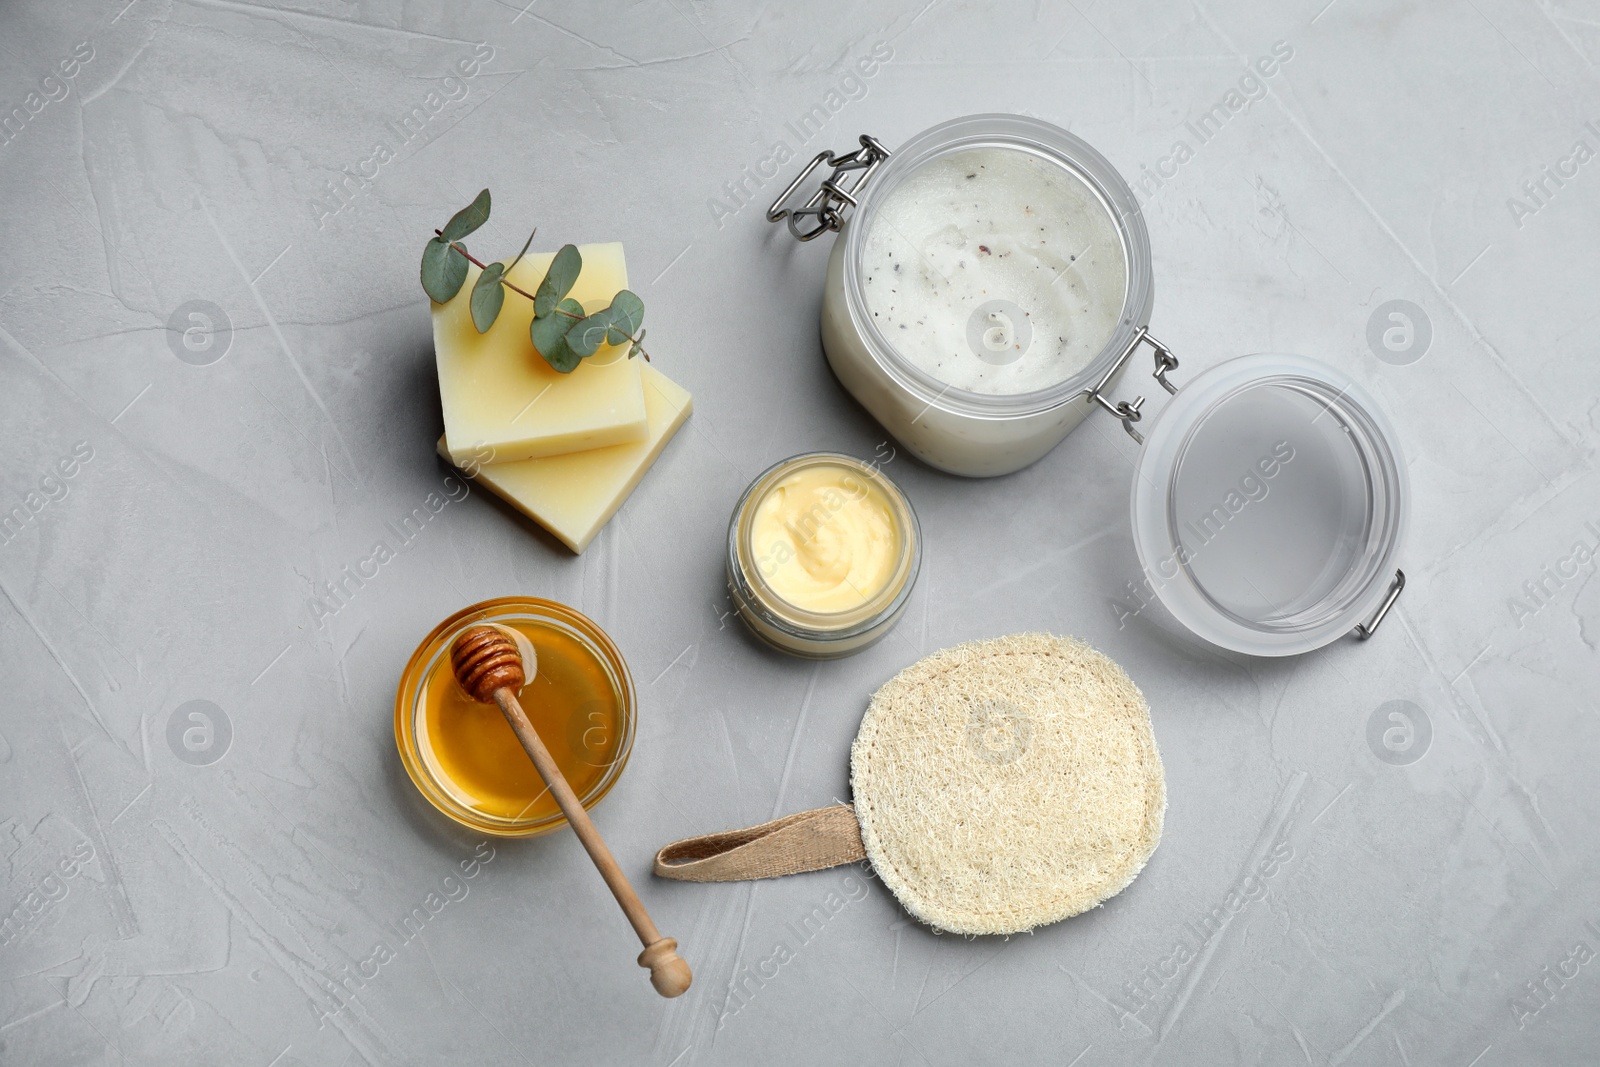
(489, 668)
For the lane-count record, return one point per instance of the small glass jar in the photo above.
(462, 754)
(800, 630)
(960, 430)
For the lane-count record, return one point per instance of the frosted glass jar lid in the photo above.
(1269, 506)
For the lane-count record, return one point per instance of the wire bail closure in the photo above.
(1365, 630)
(1125, 410)
(827, 204)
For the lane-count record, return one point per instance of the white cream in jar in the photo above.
(994, 271)
(975, 317)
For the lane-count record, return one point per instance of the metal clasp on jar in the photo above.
(828, 203)
(1128, 411)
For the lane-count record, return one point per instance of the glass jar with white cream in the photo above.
(823, 551)
(995, 273)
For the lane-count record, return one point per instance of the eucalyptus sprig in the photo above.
(561, 331)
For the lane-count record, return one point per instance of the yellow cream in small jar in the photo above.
(822, 553)
(825, 540)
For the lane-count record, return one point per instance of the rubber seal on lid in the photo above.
(1269, 504)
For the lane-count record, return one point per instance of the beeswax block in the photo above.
(574, 495)
(500, 395)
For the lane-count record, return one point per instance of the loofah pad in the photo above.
(1004, 784)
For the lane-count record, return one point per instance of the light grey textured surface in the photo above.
(1317, 898)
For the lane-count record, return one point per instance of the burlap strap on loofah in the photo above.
(808, 841)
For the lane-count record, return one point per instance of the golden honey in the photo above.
(463, 755)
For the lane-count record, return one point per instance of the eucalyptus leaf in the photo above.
(615, 325)
(627, 315)
(488, 295)
(587, 336)
(547, 332)
(549, 336)
(443, 270)
(468, 218)
(525, 246)
(564, 360)
(558, 280)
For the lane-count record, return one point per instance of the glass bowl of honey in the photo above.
(462, 754)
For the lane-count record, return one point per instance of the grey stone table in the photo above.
(218, 393)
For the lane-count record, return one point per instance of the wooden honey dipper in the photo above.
(489, 667)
